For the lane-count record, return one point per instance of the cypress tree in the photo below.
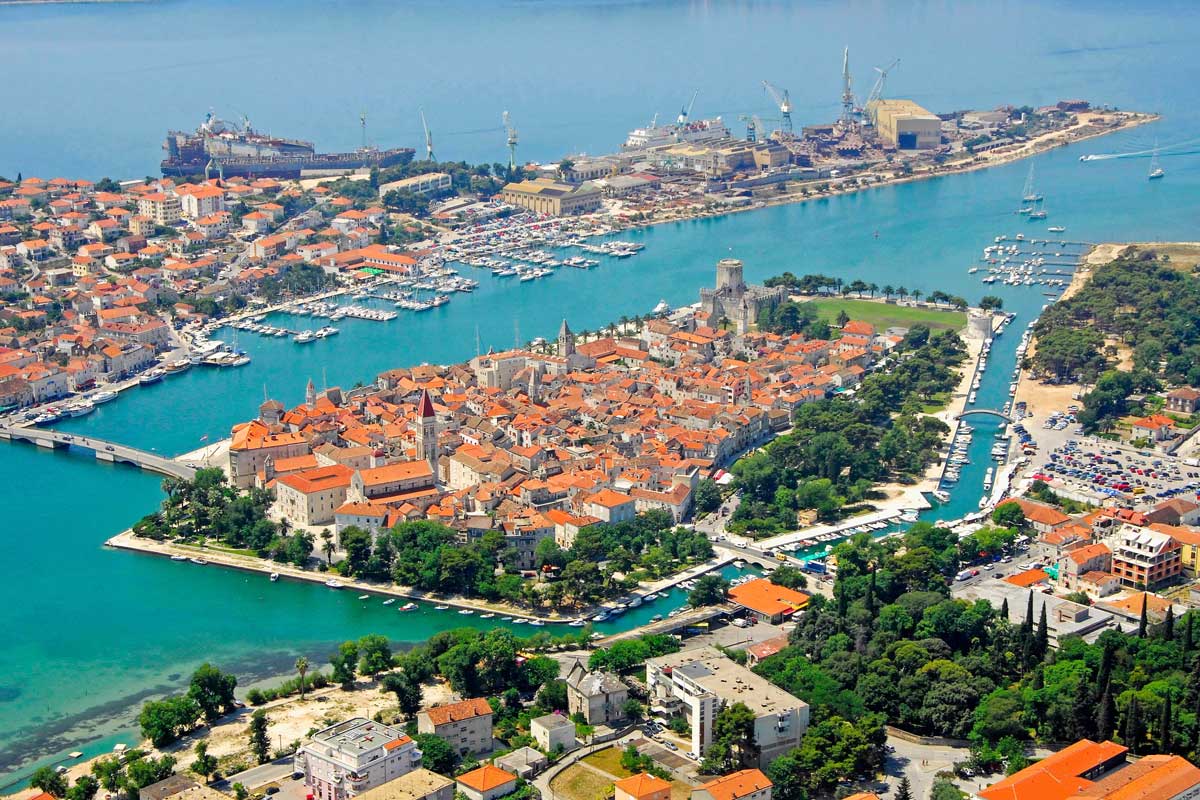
(1134, 731)
(1004, 610)
(1039, 679)
(1027, 625)
(1082, 720)
(1105, 672)
(1191, 694)
(1142, 622)
(870, 602)
(1168, 626)
(1187, 634)
(1165, 721)
(1042, 643)
(1107, 715)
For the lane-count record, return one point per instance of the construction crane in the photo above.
(686, 111)
(780, 96)
(877, 90)
(428, 137)
(751, 127)
(847, 92)
(512, 140)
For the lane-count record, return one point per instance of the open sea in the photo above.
(89, 90)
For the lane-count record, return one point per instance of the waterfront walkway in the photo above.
(103, 449)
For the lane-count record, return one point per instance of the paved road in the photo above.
(261, 775)
(105, 450)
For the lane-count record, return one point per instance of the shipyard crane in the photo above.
(847, 91)
(877, 90)
(428, 137)
(512, 140)
(751, 127)
(780, 96)
(686, 111)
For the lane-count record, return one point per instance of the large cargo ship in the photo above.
(226, 149)
(655, 135)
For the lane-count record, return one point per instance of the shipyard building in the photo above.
(905, 125)
(548, 196)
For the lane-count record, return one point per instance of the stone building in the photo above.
(734, 302)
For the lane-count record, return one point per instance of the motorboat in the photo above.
(489, 615)
(332, 584)
(103, 397)
(274, 577)
(408, 607)
(364, 597)
(304, 337)
(199, 561)
(389, 601)
(466, 612)
(578, 623)
(179, 558)
(441, 608)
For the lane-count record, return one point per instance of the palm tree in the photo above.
(872, 288)
(624, 323)
(901, 292)
(888, 291)
(327, 545)
(302, 668)
(916, 293)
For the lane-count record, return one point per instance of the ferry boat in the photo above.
(103, 397)
(82, 408)
(179, 365)
(151, 376)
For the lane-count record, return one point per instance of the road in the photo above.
(277, 770)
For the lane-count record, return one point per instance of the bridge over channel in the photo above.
(104, 450)
(985, 411)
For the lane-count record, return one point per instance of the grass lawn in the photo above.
(580, 783)
(608, 760)
(889, 315)
(1185, 256)
(936, 403)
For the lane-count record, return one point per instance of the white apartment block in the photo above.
(349, 758)
(699, 683)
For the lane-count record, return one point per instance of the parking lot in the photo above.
(1091, 469)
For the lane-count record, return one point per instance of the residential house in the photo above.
(599, 696)
(642, 786)
(466, 725)
(746, 784)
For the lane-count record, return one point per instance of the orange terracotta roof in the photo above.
(766, 598)
(1056, 777)
(642, 785)
(486, 778)
(736, 784)
(1028, 578)
(452, 712)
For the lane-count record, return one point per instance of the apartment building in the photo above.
(467, 725)
(699, 683)
(1145, 558)
(352, 757)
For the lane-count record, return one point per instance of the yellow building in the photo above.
(905, 125)
(548, 196)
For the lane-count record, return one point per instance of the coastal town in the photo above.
(782, 462)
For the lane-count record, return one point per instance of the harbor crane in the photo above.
(686, 111)
(847, 91)
(428, 137)
(877, 89)
(512, 140)
(780, 96)
(756, 131)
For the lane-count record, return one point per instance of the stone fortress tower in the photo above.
(734, 301)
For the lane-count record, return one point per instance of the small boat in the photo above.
(199, 561)
(152, 376)
(537, 623)
(274, 577)
(578, 623)
(304, 337)
(466, 612)
(364, 597)
(179, 558)
(389, 601)
(489, 615)
(332, 584)
(1056, 229)
(656, 618)
(506, 619)
(408, 607)
(1156, 171)
(103, 397)
(441, 608)
(519, 621)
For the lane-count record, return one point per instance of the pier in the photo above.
(104, 450)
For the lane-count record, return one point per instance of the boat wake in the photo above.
(1168, 150)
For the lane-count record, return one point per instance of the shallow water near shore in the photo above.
(91, 632)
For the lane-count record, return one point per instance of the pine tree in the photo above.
(1135, 730)
(1143, 622)
(1107, 714)
(1042, 643)
(1165, 721)
(904, 790)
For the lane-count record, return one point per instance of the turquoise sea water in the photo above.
(90, 631)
